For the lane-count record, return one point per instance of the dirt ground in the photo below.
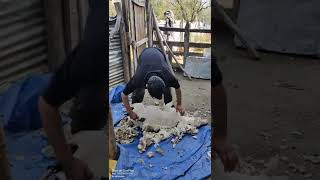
(273, 109)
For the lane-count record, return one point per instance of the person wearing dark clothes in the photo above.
(153, 73)
(221, 146)
(83, 74)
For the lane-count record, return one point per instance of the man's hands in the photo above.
(133, 115)
(78, 170)
(180, 109)
(227, 154)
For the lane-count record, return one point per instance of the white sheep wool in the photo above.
(158, 123)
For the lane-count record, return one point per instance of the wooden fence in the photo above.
(172, 44)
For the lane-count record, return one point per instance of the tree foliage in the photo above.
(112, 9)
(189, 10)
(159, 7)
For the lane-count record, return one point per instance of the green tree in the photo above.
(189, 10)
(205, 16)
(159, 7)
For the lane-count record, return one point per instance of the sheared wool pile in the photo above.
(157, 124)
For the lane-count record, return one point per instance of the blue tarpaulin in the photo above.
(21, 121)
(118, 110)
(19, 104)
(24, 141)
(188, 160)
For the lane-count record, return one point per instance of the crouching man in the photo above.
(153, 73)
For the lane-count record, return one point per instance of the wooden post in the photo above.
(186, 42)
(125, 10)
(56, 37)
(4, 163)
(112, 149)
(170, 56)
(124, 45)
(149, 23)
(133, 36)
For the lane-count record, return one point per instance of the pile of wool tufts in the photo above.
(157, 124)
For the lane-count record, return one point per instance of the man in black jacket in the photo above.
(153, 73)
(84, 74)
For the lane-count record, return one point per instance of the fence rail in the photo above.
(183, 30)
(171, 44)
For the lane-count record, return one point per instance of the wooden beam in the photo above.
(190, 53)
(183, 30)
(180, 44)
(127, 37)
(149, 23)
(141, 42)
(133, 38)
(4, 163)
(242, 37)
(55, 31)
(174, 57)
(124, 46)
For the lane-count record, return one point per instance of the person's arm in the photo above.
(221, 146)
(219, 106)
(126, 104)
(52, 126)
(178, 94)
(125, 100)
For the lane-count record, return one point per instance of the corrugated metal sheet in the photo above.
(23, 43)
(116, 69)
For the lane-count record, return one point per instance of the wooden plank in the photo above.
(127, 37)
(139, 14)
(190, 53)
(181, 44)
(133, 37)
(124, 45)
(141, 42)
(183, 30)
(55, 32)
